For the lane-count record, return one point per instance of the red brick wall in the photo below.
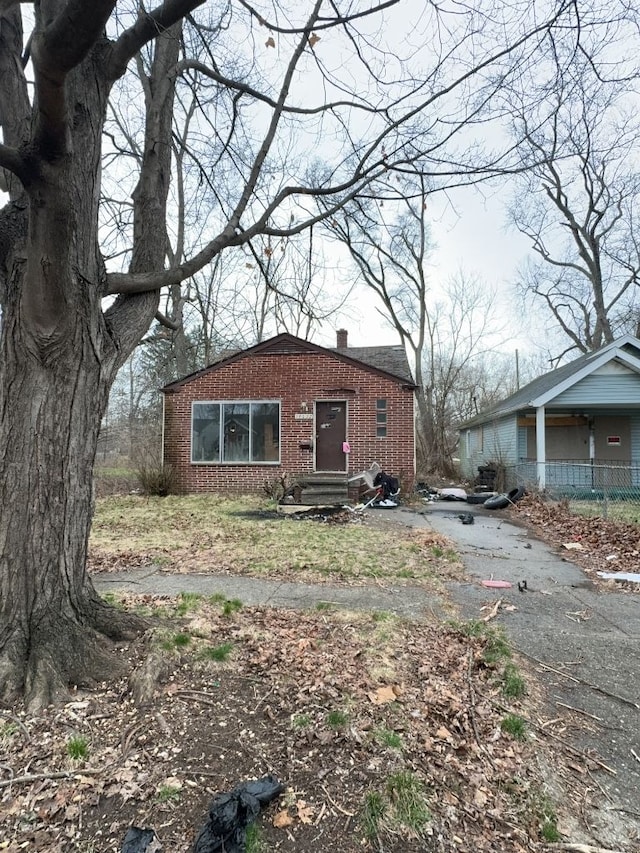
(292, 379)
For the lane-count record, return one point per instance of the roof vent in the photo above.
(341, 339)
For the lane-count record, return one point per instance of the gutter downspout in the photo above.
(541, 449)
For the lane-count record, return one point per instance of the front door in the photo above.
(331, 433)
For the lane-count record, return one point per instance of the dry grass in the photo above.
(246, 536)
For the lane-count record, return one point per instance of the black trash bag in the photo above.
(138, 840)
(390, 485)
(230, 815)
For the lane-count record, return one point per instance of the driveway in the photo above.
(584, 645)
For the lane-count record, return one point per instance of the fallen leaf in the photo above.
(282, 819)
(305, 812)
(382, 695)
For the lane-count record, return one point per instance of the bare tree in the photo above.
(578, 201)
(70, 320)
(442, 328)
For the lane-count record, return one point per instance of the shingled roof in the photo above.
(389, 360)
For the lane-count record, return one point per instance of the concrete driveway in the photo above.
(592, 639)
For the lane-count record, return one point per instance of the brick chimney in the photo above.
(341, 339)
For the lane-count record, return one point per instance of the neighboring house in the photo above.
(287, 406)
(577, 427)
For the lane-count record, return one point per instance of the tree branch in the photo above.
(12, 161)
(145, 29)
(322, 23)
(61, 46)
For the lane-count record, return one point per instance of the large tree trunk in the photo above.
(52, 623)
(58, 362)
(60, 354)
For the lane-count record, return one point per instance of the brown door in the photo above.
(331, 432)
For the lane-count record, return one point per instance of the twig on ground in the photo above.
(602, 789)
(61, 774)
(635, 754)
(333, 803)
(493, 612)
(583, 681)
(572, 749)
(266, 695)
(579, 711)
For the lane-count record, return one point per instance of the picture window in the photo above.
(238, 431)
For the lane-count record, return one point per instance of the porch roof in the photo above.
(543, 390)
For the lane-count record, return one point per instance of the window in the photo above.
(235, 432)
(381, 418)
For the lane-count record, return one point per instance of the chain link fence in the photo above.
(591, 487)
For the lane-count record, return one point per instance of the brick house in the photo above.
(289, 406)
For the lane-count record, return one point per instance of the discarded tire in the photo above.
(480, 497)
(501, 501)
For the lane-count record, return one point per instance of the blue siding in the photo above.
(601, 389)
(496, 441)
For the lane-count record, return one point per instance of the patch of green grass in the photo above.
(337, 719)
(254, 839)
(545, 815)
(373, 813)
(496, 649)
(217, 598)
(437, 551)
(470, 628)
(407, 796)
(300, 721)
(176, 641)
(219, 653)
(549, 831)
(515, 726)
(389, 738)
(381, 615)
(406, 573)
(168, 794)
(325, 605)
(101, 471)
(513, 684)
(8, 730)
(187, 602)
(231, 606)
(78, 747)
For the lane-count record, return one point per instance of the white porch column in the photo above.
(541, 448)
